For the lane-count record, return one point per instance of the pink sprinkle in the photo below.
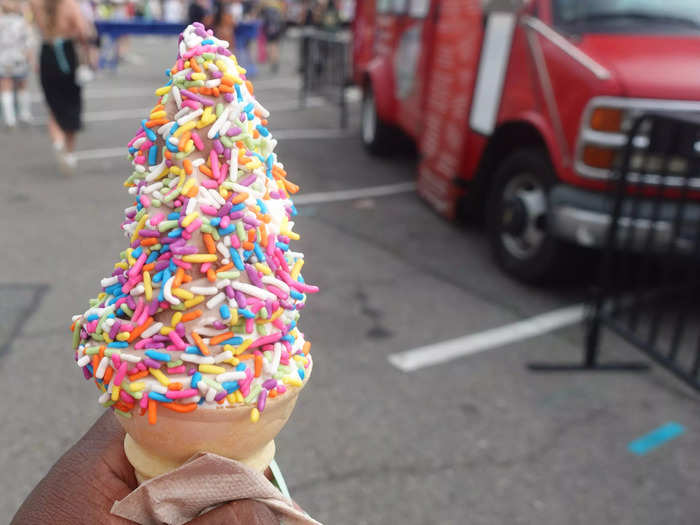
(143, 343)
(262, 398)
(235, 241)
(209, 210)
(177, 369)
(145, 201)
(140, 159)
(144, 401)
(125, 396)
(181, 264)
(204, 267)
(225, 221)
(210, 184)
(179, 394)
(279, 293)
(194, 225)
(281, 389)
(116, 362)
(191, 104)
(197, 141)
(140, 134)
(119, 376)
(91, 326)
(272, 338)
(157, 219)
(278, 324)
(138, 265)
(249, 325)
(177, 340)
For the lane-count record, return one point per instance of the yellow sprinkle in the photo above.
(254, 415)
(165, 330)
(123, 336)
(189, 217)
(137, 386)
(239, 396)
(274, 316)
(147, 287)
(189, 146)
(211, 369)
(182, 180)
(194, 302)
(115, 393)
(163, 90)
(300, 359)
(200, 257)
(223, 192)
(107, 338)
(160, 376)
(292, 235)
(233, 361)
(175, 170)
(139, 226)
(199, 76)
(101, 295)
(122, 265)
(241, 71)
(222, 66)
(177, 316)
(182, 294)
(263, 268)
(234, 317)
(296, 269)
(231, 399)
(187, 126)
(292, 381)
(242, 347)
(157, 114)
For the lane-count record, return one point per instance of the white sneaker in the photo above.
(67, 163)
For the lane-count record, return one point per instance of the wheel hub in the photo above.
(523, 216)
(514, 217)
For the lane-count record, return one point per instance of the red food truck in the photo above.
(519, 109)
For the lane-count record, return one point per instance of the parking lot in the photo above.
(476, 439)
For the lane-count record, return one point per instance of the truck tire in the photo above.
(376, 134)
(516, 217)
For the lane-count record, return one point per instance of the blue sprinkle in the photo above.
(201, 401)
(196, 378)
(132, 150)
(240, 367)
(175, 232)
(139, 206)
(301, 374)
(173, 216)
(152, 257)
(246, 254)
(173, 129)
(207, 41)
(137, 252)
(172, 267)
(172, 147)
(193, 350)
(157, 396)
(158, 277)
(236, 258)
(238, 92)
(225, 231)
(215, 221)
(294, 211)
(230, 386)
(158, 356)
(149, 132)
(224, 311)
(248, 108)
(238, 207)
(296, 295)
(288, 338)
(118, 344)
(232, 341)
(153, 155)
(263, 208)
(282, 246)
(246, 313)
(258, 252)
(89, 367)
(92, 317)
(263, 130)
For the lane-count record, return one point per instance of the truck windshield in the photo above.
(627, 16)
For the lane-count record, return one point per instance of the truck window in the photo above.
(383, 6)
(419, 8)
(399, 7)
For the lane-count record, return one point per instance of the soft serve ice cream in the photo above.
(201, 312)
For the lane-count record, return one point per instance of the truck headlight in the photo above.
(607, 119)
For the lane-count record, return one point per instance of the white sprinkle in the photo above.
(190, 206)
(216, 126)
(174, 140)
(104, 397)
(109, 281)
(268, 279)
(165, 128)
(196, 163)
(217, 197)
(222, 249)
(137, 290)
(168, 294)
(230, 376)
(157, 387)
(176, 96)
(250, 289)
(216, 300)
(200, 360)
(222, 283)
(155, 171)
(102, 368)
(84, 361)
(130, 358)
(151, 188)
(223, 356)
(203, 290)
(211, 394)
(190, 116)
(152, 330)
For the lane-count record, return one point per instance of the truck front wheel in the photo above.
(517, 218)
(376, 134)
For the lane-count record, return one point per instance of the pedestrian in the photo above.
(224, 21)
(273, 26)
(83, 485)
(61, 24)
(15, 60)
(197, 11)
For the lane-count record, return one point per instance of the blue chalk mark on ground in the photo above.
(655, 438)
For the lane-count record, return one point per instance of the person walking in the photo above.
(60, 24)
(274, 25)
(15, 60)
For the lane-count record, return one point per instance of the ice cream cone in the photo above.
(227, 431)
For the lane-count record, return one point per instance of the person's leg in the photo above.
(8, 101)
(23, 100)
(273, 55)
(56, 133)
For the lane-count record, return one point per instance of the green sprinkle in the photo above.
(76, 334)
(253, 394)
(180, 307)
(216, 386)
(92, 350)
(227, 142)
(219, 109)
(122, 413)
(229, 275)
(167, 225)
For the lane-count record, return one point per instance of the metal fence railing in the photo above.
(326, 68)
(649, 278)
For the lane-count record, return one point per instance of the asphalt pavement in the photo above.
(476, 440)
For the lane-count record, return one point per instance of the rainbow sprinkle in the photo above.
(202, 308)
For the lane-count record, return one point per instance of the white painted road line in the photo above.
(136, 114)
(445, 351)
(102, 153)
(348, 195)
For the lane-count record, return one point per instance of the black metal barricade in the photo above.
(326, 68)
(649, 279)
